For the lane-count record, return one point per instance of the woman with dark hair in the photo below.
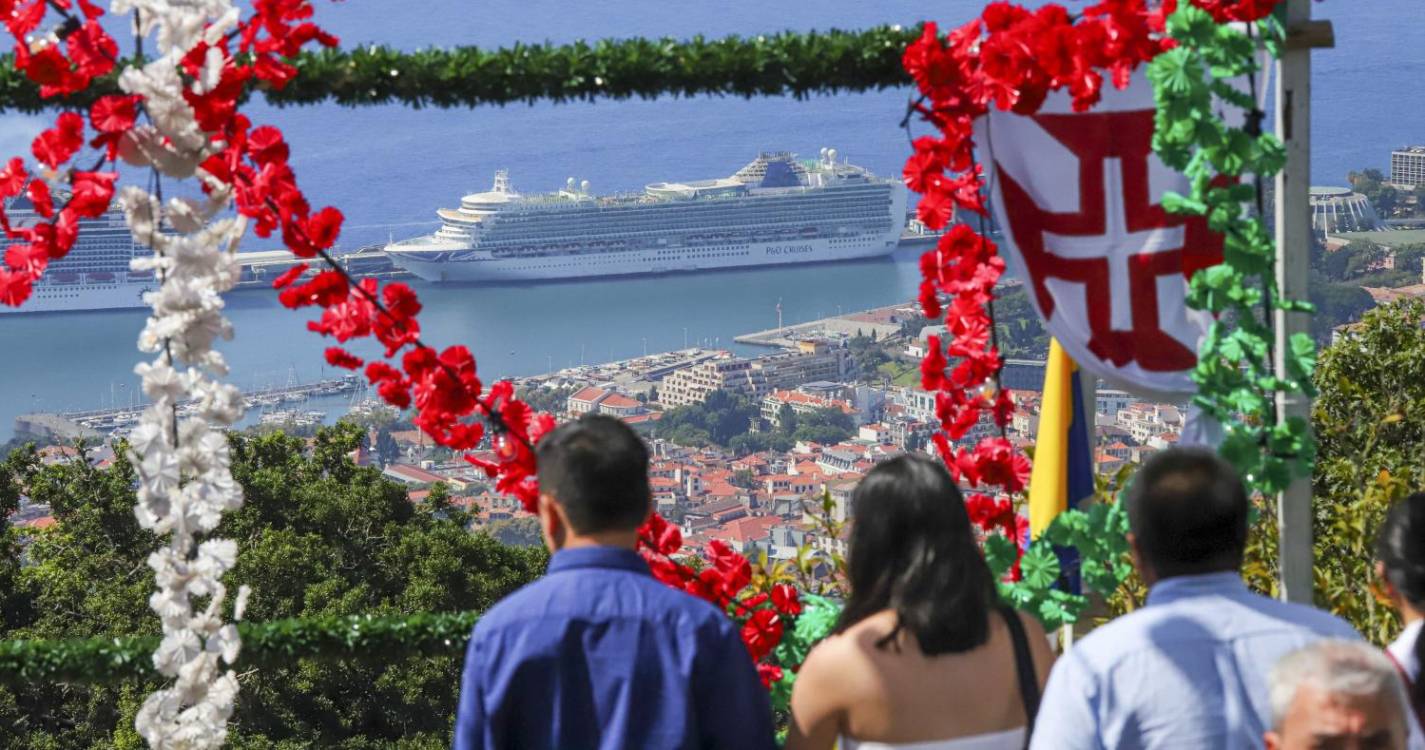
(1400, 551)
(924, 655)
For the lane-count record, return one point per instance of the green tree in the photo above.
(386, 448)
(1021, 333)
(787, 419)
(1336, 304)
(318, 536)
(867, 353)
(521, 531)
(824, 426)
(1370, 424)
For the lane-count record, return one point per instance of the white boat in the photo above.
(776, 210)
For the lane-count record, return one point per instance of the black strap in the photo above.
(1024, 666)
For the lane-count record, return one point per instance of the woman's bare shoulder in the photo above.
(853, 648)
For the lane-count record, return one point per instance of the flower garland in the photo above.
(1008, 58)
(191, 95)
(187, 95)
(1237, 385)
(279, 643)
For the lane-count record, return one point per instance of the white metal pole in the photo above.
(1293, 238)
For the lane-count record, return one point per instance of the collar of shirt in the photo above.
(617, 558)
(1185, 587)
(1403, 649)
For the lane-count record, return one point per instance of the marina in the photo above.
(273, 406)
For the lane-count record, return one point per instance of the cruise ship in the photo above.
(94, 275)
(775, 210)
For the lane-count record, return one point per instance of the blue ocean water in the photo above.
(389, 168)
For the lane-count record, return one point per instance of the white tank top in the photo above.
(1010, 739)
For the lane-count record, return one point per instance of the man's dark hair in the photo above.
(1188, 510)
(596, 467)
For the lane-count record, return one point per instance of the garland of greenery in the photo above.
(264, 645)
(1099, 538)
(1237, 385)
(787, 63)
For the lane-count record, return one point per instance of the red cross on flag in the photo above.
(1078, 197)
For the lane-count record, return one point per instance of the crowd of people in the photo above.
(598, 654)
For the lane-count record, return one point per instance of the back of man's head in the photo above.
(1188, 512)
(596, 468)
(1336, 693)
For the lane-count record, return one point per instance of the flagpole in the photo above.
(1293, 239)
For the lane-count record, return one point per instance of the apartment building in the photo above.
(812, 361)
(693, 385)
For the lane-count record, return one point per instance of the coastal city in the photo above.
(749, 448)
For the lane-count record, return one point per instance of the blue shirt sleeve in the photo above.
(1068, 710)
(733, 708)
(470, 720)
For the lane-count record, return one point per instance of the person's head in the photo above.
(1187, 512)
(1343, 695)
(593, 483)
(1400, 562)
(1400, 552)
(912, 550)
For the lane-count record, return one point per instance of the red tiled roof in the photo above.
(744, 529)
(414, 473)
(589, 393)
(618, 401)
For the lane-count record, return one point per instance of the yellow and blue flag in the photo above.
(1063, 457)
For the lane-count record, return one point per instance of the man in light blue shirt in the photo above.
(1189, 670)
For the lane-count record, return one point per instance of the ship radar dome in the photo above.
(569, 184)
(831, 154)
(584, 187)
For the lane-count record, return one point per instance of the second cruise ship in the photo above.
(775, 210)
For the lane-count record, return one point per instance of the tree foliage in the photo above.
(1370, 424)
(716, 421)
(320, 537)
(1021, 333)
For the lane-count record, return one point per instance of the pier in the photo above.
(882, 321)
(260, 268)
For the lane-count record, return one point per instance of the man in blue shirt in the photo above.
(1189, 670)
(599, 654)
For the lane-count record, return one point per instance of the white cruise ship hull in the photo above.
(81, 296)
(480, 267)
(774, 211)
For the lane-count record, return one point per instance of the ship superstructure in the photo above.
(94, 275)
(775, 210)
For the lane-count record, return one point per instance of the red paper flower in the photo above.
(92, 193)
(56, 145)
(14, 287)
(762, 632)
(38, 193)
(339, 357)
(786, 599)
(290, 275)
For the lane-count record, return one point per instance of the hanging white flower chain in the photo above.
(185, 483)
